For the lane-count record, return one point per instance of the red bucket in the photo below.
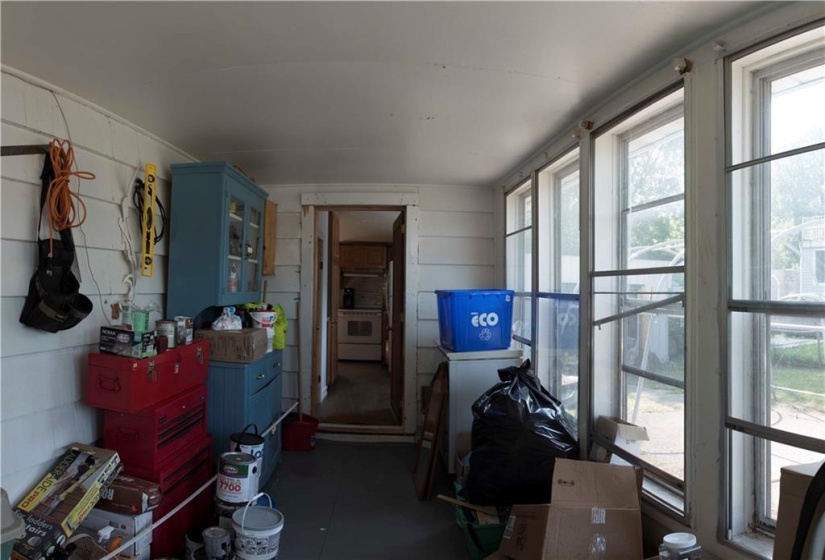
(299, 433)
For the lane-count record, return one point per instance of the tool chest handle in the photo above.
(109, 384)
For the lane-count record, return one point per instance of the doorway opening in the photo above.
(358, 319)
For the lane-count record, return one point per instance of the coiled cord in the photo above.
(66, 208)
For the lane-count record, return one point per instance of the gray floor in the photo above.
(360, 395)
(357, 502)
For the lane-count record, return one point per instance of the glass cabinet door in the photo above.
(253, 248)
(235, 244)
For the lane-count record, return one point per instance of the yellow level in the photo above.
(147, 222)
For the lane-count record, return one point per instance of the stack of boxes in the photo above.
(155, 418)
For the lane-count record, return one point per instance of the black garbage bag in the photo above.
(519, 429)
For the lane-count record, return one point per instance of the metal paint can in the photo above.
(184, 330)
(224, 511)
(168, 330)
(194, 541)
(249, 443)
(237, 477)
(217, 543)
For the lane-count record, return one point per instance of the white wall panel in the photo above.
(456, 199)
(288, 252)
(455, 250)
(450, 277)
(427, 306)
(286, 279)
(43, 382)
(456, 224)
(427, 333)
(428, 360)
(287, 226)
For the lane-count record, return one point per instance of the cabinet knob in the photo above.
(276, 364)
(261, 376)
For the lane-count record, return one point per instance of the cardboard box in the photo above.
(125, 526)
(623, 434)
(595, 508)
(56, 506)
(793, 484)
(242, 347)
(129, 496)
(124, 342)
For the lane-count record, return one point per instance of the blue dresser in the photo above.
(241, 394)
(215, 259)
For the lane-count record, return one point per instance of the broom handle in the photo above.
(298, 342)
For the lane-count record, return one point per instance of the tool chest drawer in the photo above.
(147, 438)
(178, 477)
(129, 385)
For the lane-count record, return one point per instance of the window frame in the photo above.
(666, 492)
(754, 456)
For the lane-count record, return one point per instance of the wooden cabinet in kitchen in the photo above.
(364, 257)
(215, 242)
(242, 394)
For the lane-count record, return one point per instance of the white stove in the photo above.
(359, 334)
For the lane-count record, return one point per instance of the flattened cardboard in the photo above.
(595, 513)
(793, 484)
(241, 347)
(56, 506)
(620, 432)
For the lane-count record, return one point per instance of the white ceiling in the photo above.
(378, 92)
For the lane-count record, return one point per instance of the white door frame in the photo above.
(309, 202)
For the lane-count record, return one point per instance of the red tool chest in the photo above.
(179, 477)
(149, 437)
(126, 384)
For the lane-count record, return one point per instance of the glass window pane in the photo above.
(519, 261)
(655, 342)
(655, 163)
(661, 409)
(520, 207)
(778, 229)
(776, 97)
(523, 317)
(557, 351)
(786, 391)
(656, 236)
(568, 218)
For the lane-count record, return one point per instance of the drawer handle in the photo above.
(261, 376)
(109, 384)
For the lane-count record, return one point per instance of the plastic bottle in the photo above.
(681, 546)
(232, 282)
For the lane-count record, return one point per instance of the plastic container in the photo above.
(257, 531)
(482, 539)
(681, 546)
(263, 319)
(299, 434)
(475, 320)
(13, 526)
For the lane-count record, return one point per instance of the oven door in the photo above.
(355, 328)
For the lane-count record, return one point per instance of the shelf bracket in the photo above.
(26, 150)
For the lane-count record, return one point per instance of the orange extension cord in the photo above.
(66, 208)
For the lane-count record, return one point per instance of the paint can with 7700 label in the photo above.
(237, 477)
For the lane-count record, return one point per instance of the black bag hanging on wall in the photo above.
(54, 302)
(519, 429)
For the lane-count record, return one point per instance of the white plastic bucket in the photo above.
(257, 531)
(265, 320)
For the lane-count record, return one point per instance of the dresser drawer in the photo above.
(261, 373)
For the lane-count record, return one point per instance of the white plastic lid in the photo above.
(679, 541)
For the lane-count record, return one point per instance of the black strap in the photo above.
(815, 494)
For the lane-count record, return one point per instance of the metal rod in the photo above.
(640, 309)
(557, 295)
(639, 271)
(780, 155)
(658, 378)
(801, 309)
(774, 435)
(675, 483)
(25, 150)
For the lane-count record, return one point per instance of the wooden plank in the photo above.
(457, 224)
(450, 277)
(270, 227)
(455, 250)
(458, 199)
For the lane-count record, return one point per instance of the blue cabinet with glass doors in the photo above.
(216, 238)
